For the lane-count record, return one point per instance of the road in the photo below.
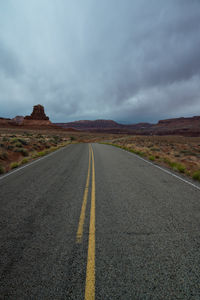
(95, 222)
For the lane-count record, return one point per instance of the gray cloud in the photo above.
(10, 66)
(126, 60)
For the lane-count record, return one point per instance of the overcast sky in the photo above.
(126, 60)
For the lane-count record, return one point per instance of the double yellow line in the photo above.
(90, 272)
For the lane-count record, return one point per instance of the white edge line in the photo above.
(31, 163)
(158, 167)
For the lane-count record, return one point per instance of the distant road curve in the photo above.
(96, 222)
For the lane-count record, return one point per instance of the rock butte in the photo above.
(38, 117)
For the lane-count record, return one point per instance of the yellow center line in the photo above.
(90, 273)
(79, 234)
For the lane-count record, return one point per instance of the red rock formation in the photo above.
(37, 114)
(4, 121)
(37, 118)
(178, 126)
(87, 124)
(99, 125)
(180, 122)
(18, 120)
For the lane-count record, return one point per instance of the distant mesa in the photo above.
(183, 122)
(178, 126)
(104, 125)
(37, 114)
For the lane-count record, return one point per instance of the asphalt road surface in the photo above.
(95, 222)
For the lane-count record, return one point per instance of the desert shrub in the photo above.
(23, 142)
(2, 170)
(175, 166)
(52, 141)
(56, 137)
(5, 139)
(27, 134)
(155, 149)
(34, 155)
(196, 175)
(187, 152)
(138, 152)
(42, 141)
(23, 151)
(18, 144)
(14, 140)
(3, 155)
(14, 165)
(56, 140)
(166, 160)
(181, 168)
(151, 157)
(10, 147)
(42, 153)
(24, 161)
(51, 149)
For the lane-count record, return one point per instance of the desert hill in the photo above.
(87, 124)
(181, 126)
(4, 121)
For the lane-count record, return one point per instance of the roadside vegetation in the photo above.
(181, 154)
(19, 148)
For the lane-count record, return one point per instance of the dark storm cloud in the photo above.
(125, 60)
